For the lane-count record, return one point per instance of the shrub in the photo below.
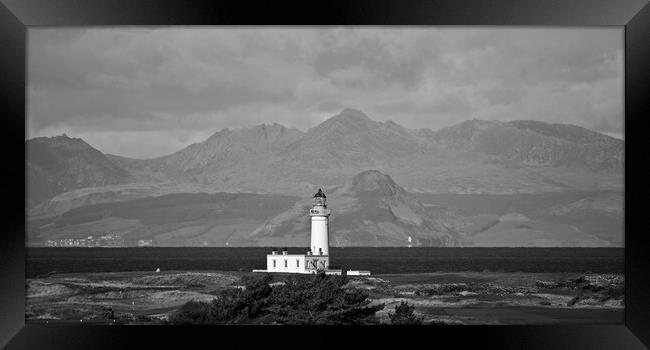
(573, 301)
(613, 292)
(191, 313)
(318, 299)
(404, 315)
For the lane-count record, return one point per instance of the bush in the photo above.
(404, 315)
(613, 292)
(547, 284)
(573, 301)
(318, 299)
(191, 313)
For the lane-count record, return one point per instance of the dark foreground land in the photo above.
(438, 298)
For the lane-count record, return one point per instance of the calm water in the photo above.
(41, 261)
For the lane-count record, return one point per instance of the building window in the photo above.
(286, 264)
(297, 263)
(273, 263)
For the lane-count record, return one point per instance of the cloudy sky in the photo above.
(146, 92)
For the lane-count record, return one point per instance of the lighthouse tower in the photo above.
(317, 258)
(319, 225)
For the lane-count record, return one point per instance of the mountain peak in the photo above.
(348, 119)
(352, 111)
(352, 114)
(60, 141)
(266, 130)
(477, 123)
(375, 181)
(60, 163)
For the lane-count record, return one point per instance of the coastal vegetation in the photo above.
(313, 299)
(404, 315)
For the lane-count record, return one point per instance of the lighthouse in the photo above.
(317, 258)
(320, 225)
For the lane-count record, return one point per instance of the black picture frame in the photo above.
(17, 15)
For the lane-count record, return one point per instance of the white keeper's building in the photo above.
(317, 258)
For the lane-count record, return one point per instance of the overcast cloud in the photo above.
(149, 92)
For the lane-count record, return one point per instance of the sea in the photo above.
(41, 262)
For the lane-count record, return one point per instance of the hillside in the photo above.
(185, 219)
(59, 164)
(535, 143)
(370, 209)
(252, 147)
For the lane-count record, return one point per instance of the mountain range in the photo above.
(474, 157)
(523, 156)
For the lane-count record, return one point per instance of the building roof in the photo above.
(320, 194)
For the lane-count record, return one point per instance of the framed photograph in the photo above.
(458, 172)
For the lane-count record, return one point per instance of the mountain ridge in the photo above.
(474, 155)
(361, 119)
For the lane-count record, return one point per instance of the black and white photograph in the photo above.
(325, 175)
